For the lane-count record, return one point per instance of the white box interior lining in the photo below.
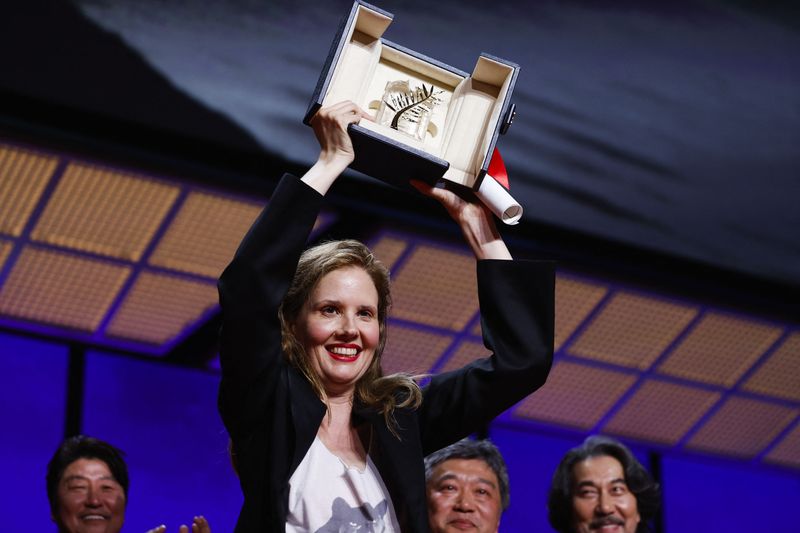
(463, 123)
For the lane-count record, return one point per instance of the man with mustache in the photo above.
(601, 487)
(467, 487)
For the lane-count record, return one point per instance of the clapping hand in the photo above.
(199, 525)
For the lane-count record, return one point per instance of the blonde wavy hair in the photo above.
(373, 389)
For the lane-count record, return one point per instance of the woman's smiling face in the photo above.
(339, 328)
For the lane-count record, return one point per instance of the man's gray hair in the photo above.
(473, 449)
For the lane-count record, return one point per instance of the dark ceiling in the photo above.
(671, 128)
(103, 257)
(655, 152)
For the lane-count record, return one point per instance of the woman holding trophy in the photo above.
(322, 440)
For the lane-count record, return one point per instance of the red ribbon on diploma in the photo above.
(497, 169)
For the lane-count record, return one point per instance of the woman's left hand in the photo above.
(473, 217)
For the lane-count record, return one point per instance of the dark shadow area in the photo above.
(67, 82)
(64, 77)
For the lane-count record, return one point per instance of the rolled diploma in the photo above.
(499, 201)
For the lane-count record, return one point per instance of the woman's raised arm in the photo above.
(252, 286)
(336, 150)
(474, 219)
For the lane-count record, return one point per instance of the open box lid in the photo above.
(457, 118)
(373, 21)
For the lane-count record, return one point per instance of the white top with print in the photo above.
(327, 496)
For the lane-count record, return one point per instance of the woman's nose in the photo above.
(347, 326)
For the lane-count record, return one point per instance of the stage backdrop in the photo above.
(165, 419)
(671, 126)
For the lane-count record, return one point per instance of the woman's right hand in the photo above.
(336, 149)
(330, 126)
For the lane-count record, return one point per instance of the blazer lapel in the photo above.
(307, 412)
(399, 462)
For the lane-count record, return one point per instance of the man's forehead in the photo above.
(599, 468)
(473, 469)
(87, 468)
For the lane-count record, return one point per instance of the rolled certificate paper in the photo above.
(499, 201)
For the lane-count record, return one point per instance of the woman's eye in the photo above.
(328, 310)
(365, 314)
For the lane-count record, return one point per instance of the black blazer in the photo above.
(272, 413)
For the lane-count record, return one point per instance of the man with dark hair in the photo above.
(600, 486)
(87, 485)
(467, 487)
